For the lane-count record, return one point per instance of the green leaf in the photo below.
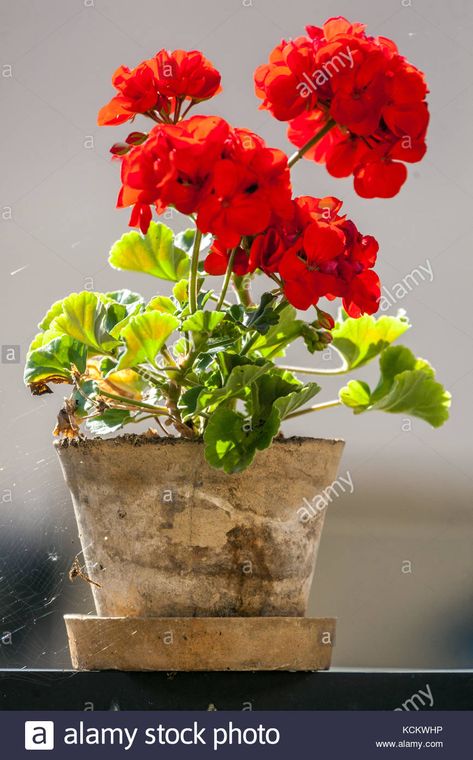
(85, 318)
(232, 439)
(145, 335)
(109, 422)
(185, 240)
(53, 361)
(360, 340)
(392, 362)
(415, 392)
(53, 312)
(180, 291)
(264, 316)
(356, 395)
(40, 339)
(127, 298)
(155, 253)
(407, 385)
(270, 387)
(280, 335)
(236, 312)
(83, 399)
(203, 321)
(237, 385)
(297, 398)
(188, 402)
(163, 304)
(229, 441)
(180, 347)
(273, 396)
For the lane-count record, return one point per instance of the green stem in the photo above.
(226, 283)
(151, 377)
(318, 408)
(310, 144)
(213, 297)
(193, 290)
(165, 352)
(315, 371)
(132, 402)
(250, 343)
(242, 288)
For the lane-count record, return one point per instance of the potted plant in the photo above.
(200, 516)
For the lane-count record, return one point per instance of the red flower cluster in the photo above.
(373, 98)
(228, 177)
(239, 189)
(158, 87)
(317, 253)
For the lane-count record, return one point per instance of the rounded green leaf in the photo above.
(407, 386)
(144, 336)
(53, 362)
(87, 319)
(357, 395)
(360, 340)
(203, 321)
(155, 253)
(229, 441)
(163, 304)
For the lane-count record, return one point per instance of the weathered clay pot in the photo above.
(166, 535)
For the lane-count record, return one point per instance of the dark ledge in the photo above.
(333, 690)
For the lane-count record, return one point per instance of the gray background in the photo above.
(412, 498)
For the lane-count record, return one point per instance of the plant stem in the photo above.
(187, 109)
(226, 283)
(213, 297)
(132, 402)
(177, 109)
(194, 272)
(250, 343)
(315, 371)
(318, 408)
(168, 357)
(310, 144)
(152, 115)
(242, 289)
(148, 375)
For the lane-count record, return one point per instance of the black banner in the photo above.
(264, 734)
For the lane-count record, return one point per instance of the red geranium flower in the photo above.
(250, 185)
(150, 87)
(229, 177)
(280, 82)
(267, 250)
(373, 97)
(380, 178)
(186, 74)
(172, 168)
(329, 258)
(138, 93)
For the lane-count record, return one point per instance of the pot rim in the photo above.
(141, 439)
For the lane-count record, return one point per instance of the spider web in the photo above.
(38, 542)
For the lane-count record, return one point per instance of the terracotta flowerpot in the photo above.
(166, 535)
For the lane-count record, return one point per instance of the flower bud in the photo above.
(119, 149)
(325, 338)
(136, 138)
(325, 320)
